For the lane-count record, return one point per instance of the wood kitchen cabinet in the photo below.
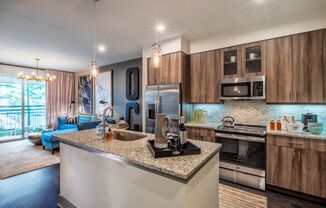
(231, 62)
(254, 59)
(297, 164)
(295, 69)
(324, 62)
(308, 80)
(204, 77)
(202, 134)
(279, 85)
(170, 72)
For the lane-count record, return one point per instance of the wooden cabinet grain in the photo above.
(324, 62)
(204, 77)
(202, 134)
(279, 70)
(308, 80)
(297, 164)
(170, 72)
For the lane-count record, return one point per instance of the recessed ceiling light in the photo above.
(259, 1)
(101, 48)
(160, 27)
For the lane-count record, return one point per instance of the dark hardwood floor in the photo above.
(36, 189)
(40, 189)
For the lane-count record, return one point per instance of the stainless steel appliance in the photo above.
(306, 118)
(243, 153)
(243, 88)
(165, 99)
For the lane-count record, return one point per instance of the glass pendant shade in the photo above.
(156, 58)
(94, 69)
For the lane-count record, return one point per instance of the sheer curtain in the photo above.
(59, 94)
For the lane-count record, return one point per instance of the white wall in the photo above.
(275, 28)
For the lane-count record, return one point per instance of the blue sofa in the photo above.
(84, 122)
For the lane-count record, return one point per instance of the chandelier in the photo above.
(35, 75)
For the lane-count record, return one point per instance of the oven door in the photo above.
(240, 150)
(241, 90)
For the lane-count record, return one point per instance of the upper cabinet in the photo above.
(204, 77)
(169, 73)
(254, 59)
(295, 69)
(244, 60)
(231, 62)
(279, 70)
(308, 80)
(324, 62)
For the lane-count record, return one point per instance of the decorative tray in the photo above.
(187, 149)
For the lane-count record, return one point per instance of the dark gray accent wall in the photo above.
(119, 88)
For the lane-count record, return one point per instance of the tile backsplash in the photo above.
(258, 112)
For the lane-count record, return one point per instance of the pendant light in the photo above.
(156, 57)
(94, 67)
(35, 76)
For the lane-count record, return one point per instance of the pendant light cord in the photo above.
(94, 32)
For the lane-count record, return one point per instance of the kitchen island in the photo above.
(123, 173)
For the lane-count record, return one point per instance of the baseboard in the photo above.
(307, 197)
(65, 203)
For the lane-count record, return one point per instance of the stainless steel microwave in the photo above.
(243, 88)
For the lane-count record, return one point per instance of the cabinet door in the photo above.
(307, 52)
(281, 167)
(254, 59)
(312, 172)
(279, 70)
(161, 74)
(231, 62)
(212, 75)
(150, 73)
(173, 73)
(324, 62)
(197, 78)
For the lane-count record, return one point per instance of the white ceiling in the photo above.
(60, 31)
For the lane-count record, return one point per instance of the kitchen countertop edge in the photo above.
(138, 164)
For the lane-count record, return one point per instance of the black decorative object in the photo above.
(129, 106)
(132, 83)
(187, 149)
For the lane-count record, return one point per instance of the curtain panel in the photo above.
(59, 94)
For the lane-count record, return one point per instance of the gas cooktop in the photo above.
(242, 129)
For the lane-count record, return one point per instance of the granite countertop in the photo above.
(137, 153)
(302, 135)
(202, 125)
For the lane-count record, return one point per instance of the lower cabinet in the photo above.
(297, 164)
(202, 134)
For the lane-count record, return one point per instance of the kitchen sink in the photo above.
(127, 136)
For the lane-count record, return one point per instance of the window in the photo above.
(22, 108)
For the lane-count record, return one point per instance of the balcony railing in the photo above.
(11, 120)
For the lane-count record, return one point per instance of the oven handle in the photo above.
(240, 137)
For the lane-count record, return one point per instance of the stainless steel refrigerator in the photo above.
(165, 99)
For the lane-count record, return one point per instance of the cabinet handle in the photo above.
(297, 96)
(290, 94)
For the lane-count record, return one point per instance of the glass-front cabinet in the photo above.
(254, 59)
(231, 62)
(244, 60)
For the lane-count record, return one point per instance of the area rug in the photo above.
(235, 198)
(22, 156)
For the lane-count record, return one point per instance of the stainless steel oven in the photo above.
(242, 157)
(243, 88)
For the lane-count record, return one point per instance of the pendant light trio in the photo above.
(156, 56)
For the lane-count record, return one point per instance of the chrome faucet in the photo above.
(104, 117)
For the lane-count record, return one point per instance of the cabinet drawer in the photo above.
(296, 142)
(201, 134)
